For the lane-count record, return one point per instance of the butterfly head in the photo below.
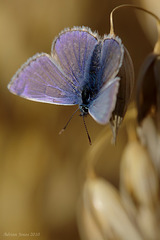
(83, 109)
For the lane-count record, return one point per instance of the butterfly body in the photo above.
(92, 83)
(82, 69)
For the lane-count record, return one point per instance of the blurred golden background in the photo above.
(41, 172)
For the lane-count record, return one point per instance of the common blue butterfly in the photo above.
(82, 69)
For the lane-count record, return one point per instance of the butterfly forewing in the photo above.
(73, 50)
(40, 79)
(105, 63)
(111, 58)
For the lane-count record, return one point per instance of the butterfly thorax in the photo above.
(86, 98)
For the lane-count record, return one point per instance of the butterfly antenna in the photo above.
(62, 130)
(87, 131)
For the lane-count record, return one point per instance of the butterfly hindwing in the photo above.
(101, 108)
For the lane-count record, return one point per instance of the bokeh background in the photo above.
(41, 173)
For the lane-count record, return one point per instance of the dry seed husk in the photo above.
(88, 228)
(150, 138)
(126, 74)
(157, 81)
(146, 91)
(104, 205)
(140, 188)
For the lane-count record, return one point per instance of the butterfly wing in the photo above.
(41, 79)
(102, 107)
(111, 58)
(105, 63)
(73, 50)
